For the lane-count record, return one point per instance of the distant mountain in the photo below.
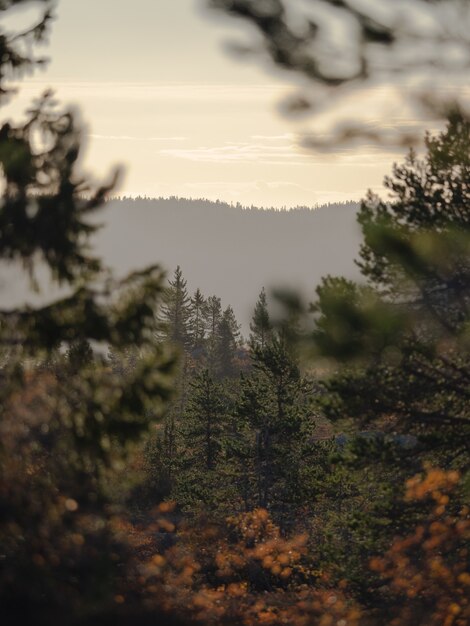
(233, 251)
(229, 251)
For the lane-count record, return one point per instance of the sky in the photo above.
(161, 97)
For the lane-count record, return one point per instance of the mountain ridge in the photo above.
(226, 250)
(233, 251)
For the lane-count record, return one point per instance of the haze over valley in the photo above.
(222, 249)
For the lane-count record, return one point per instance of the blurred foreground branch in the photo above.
(417, 47)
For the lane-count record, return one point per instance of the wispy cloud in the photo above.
(278, 154)
(283, 137)
(131, 138)
(251, 185)
(242, 152)
(149, 91)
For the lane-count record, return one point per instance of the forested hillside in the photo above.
(229, 250)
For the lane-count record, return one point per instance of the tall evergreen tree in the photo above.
(175, 311)
(232, 323)
(260, 326)
(197, 322)
(204, 419)
(197, 479)
(227, 341)
(274, 399)
(168, 444)
(213, 316)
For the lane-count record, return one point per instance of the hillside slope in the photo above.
(224, 250)
(230, 251)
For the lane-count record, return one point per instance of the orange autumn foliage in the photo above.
(244, 573)
(428, 571)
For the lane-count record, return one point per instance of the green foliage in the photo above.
(429, 195)
(408, 329)
(197, 322)
(203, 422)
(213, 319)
(352, 320)
(204, 333)
(175, 312)
(237, 444)
(358, 508)
(274, 401)
(226, 342)
(213, 315)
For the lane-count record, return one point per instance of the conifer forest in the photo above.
(218, 450)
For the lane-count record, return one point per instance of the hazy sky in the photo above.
(161, 96)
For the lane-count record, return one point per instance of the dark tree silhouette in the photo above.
(260, 326)
(63, 426)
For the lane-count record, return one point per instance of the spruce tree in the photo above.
(197, 323)
(79, 354)
(274, 400)
(227, 341)
(232, 323)
(175, 311)
(260, 325)
(204, 419)
(213, 316)
(197, 479)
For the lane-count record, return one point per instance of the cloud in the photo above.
(281, 184)
(242, 153)
(284, 137)
(252, 185)
(160, 92)
(282, 154)
(130, 138)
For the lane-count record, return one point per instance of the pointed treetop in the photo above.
(260, 326)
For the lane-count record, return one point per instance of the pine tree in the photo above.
(274, 401)
(227, 341)
(175, 311)
(204, 419)
(168, 445)
(125, 361)
(197, 323)
(233, 325)
(197, 479)
(260, 325)
(213, 316)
